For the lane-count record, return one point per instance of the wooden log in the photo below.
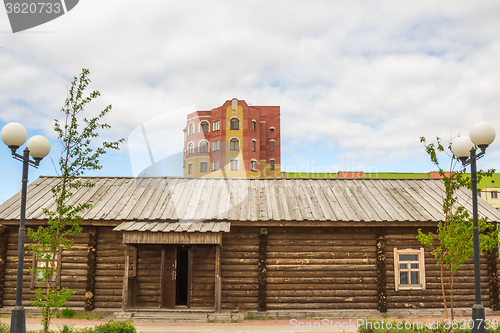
(346, 287)
(323, 293)
(345, 268)
(320, 306)
(319, 299)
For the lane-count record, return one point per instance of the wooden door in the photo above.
(168, 276)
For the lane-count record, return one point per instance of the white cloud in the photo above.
(368, 78)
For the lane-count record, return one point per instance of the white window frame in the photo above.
(190, 169)
(272, 164)
(208, 127)
(271, 145)
(254, 125)
(253, 165)
(190, 148)
(207, 145)
(254, 145)
(216, 125)
(239, 123)
(206, 166)
(494, 195)
(215, 165)
(191, 129)
(421, 260)
(239, 143)
(234, 160)
(215, 145)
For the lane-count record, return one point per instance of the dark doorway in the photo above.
(176, 277)
(182, 288)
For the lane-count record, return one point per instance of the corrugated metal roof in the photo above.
(151, 226)
(242, 199)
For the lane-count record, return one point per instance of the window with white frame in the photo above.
(233, 164)
(204, 126)
(190, 149)
(254, 125)
(271, 145)
(253, 165)
(216, 125)
(409, 269)
(215, 145)
(191, 129)
(215, 165)
(46, 260)
(234, 124)
(494, 195)
(254, 145)
(203, 166)
(203, 148)
(272, 164)
(190, 168)
(234, 144)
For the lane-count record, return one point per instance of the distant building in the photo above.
(233, 140)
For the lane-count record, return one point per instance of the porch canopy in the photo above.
(150, 232)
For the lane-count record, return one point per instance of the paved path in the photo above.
(248, 326)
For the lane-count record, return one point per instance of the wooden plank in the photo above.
(125, 279)
(218, 282)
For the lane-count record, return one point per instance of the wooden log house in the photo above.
(255, 244)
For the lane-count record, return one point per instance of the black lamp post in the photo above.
(481, 135)
(14, 135)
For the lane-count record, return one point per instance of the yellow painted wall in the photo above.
(486, 195)
(234, 134)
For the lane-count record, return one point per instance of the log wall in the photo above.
(110, 268)
(203, 276)
(402, 238)
(73, 270)
(240, 264)
(4, 241)
(321, 268)
(148, 280)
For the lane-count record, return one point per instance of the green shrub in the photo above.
(68, 313)
(113, 327)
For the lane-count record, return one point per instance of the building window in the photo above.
(233, 164)
(253, 165)
(234, 144)
(190, 168)
(409, 269)
(215, 165)
(235, 124)
(272, 164)
(479, 193)
(38, 264)
(216, 125)
(271, 145)
(190, 148)
(203, 166)
(191, 129)
(215, 145)
(203, 148)
(204, 126)
(254, 125)
(254, 144)
(272, 129)
(494, 195)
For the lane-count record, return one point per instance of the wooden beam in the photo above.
(218, 280)
(125, 279)
(262, 289)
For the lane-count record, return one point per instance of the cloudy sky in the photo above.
(358, 82)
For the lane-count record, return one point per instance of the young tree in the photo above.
(454, 234)
(77, 156)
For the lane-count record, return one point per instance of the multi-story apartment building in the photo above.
(233, 140)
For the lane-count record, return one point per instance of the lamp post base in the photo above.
(18, 320)
(478, 319)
